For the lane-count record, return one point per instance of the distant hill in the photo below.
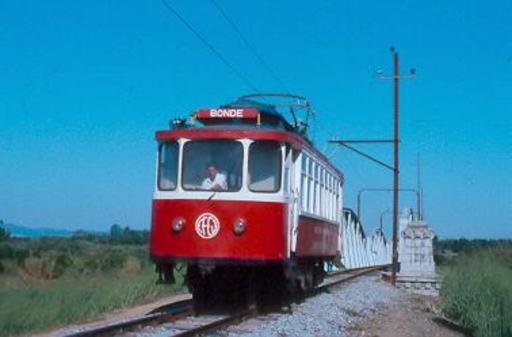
(22, 231)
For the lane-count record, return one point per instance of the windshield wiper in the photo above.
(211, 196)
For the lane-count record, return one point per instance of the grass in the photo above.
(39, 305)
(477, 292)
(50, 282)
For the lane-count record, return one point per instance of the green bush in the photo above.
(6, 251)
(477, 292)
(55, 257)
(464, 245)
(62, 262)
(20, 255)
(440, 259)
(4, 234)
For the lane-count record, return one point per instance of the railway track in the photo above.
(179, 319)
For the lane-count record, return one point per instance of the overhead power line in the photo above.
(249, 46)
(210, 46)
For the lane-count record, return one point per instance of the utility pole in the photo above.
(418, 179)
(395, 168)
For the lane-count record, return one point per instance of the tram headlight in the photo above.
(177, 224)
(239, 227)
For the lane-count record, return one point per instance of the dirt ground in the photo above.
(411, 316)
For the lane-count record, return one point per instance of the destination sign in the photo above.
(227, 113)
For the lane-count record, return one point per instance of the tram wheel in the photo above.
(201, 295)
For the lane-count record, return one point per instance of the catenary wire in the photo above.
(209, 46)
(246, 42)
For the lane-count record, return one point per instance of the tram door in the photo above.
(291, 193)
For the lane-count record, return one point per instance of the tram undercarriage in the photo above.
(213, 284)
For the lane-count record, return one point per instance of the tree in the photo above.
(116, 232)
(4, 233)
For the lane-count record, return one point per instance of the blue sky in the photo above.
(84, 85)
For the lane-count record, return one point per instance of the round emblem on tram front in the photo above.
(207, 226)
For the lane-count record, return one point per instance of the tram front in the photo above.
(220, 202)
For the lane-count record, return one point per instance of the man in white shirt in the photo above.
(215, 181)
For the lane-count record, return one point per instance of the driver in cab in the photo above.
(215, 181)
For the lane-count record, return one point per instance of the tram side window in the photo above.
(288, 160)
(265, 166)
(304, 183)
(316, 195)
(321, 203)
(168, 166)
(338, 194)
(212, 165)
(329, 196)
(311, 186)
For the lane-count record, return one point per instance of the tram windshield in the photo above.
(212, 165)
(168, 166)
(265, 166)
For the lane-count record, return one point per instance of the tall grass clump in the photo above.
(477, 292)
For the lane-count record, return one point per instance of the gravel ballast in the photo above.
(333, 313)
(327, 314)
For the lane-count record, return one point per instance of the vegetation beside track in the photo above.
(52, 281)
(477, 285)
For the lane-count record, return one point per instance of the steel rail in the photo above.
(178, 311)
(170, 312)
(218, 324)
(351, 274)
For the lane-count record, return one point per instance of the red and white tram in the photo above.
(244, 198)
